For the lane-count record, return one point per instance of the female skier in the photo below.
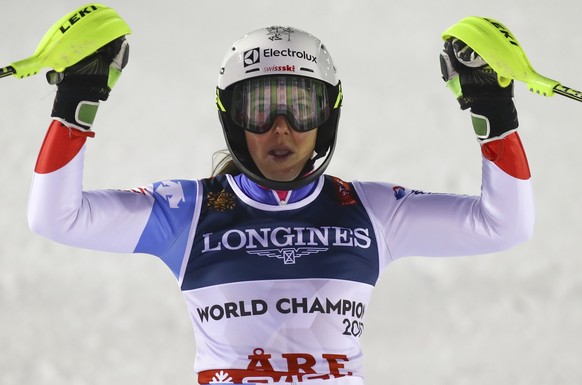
(276, 260)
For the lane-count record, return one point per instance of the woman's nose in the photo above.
(281, 125)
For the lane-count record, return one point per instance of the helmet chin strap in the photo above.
(310, 164)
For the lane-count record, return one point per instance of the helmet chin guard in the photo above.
(278, 51)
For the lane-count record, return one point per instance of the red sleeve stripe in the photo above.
(61, 144)
(508, 154)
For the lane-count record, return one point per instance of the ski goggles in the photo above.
(257, 102)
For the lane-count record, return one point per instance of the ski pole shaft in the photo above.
(7, 71)
(568, 92)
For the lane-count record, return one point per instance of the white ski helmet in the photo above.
(279, 55)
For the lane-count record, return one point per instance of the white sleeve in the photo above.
(108, 220)
(413, 223)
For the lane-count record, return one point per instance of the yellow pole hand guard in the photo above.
(72, 38)
(500, 49)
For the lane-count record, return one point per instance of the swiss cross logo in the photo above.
(252, 56)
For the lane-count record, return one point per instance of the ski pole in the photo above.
(501, 50)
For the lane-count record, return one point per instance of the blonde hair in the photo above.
(222, 164)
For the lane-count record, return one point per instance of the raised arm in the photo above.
(58, 207)
(414, 223)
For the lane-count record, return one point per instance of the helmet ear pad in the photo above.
(327, 132)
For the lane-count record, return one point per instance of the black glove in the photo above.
(475, 85)
(82, 86)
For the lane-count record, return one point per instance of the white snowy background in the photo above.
(70, 316)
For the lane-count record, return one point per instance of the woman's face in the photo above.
(281, 153)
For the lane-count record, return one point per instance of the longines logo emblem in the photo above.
(252, 56)
(288, 254)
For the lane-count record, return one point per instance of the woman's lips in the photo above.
(280, 153)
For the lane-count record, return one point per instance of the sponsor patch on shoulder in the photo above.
(221, 201)
(345, 194)
(399, 192)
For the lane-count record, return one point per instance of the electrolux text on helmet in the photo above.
(269, 52)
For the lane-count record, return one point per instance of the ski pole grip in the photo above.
(541, 85)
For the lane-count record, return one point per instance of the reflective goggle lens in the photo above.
(257, 102)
